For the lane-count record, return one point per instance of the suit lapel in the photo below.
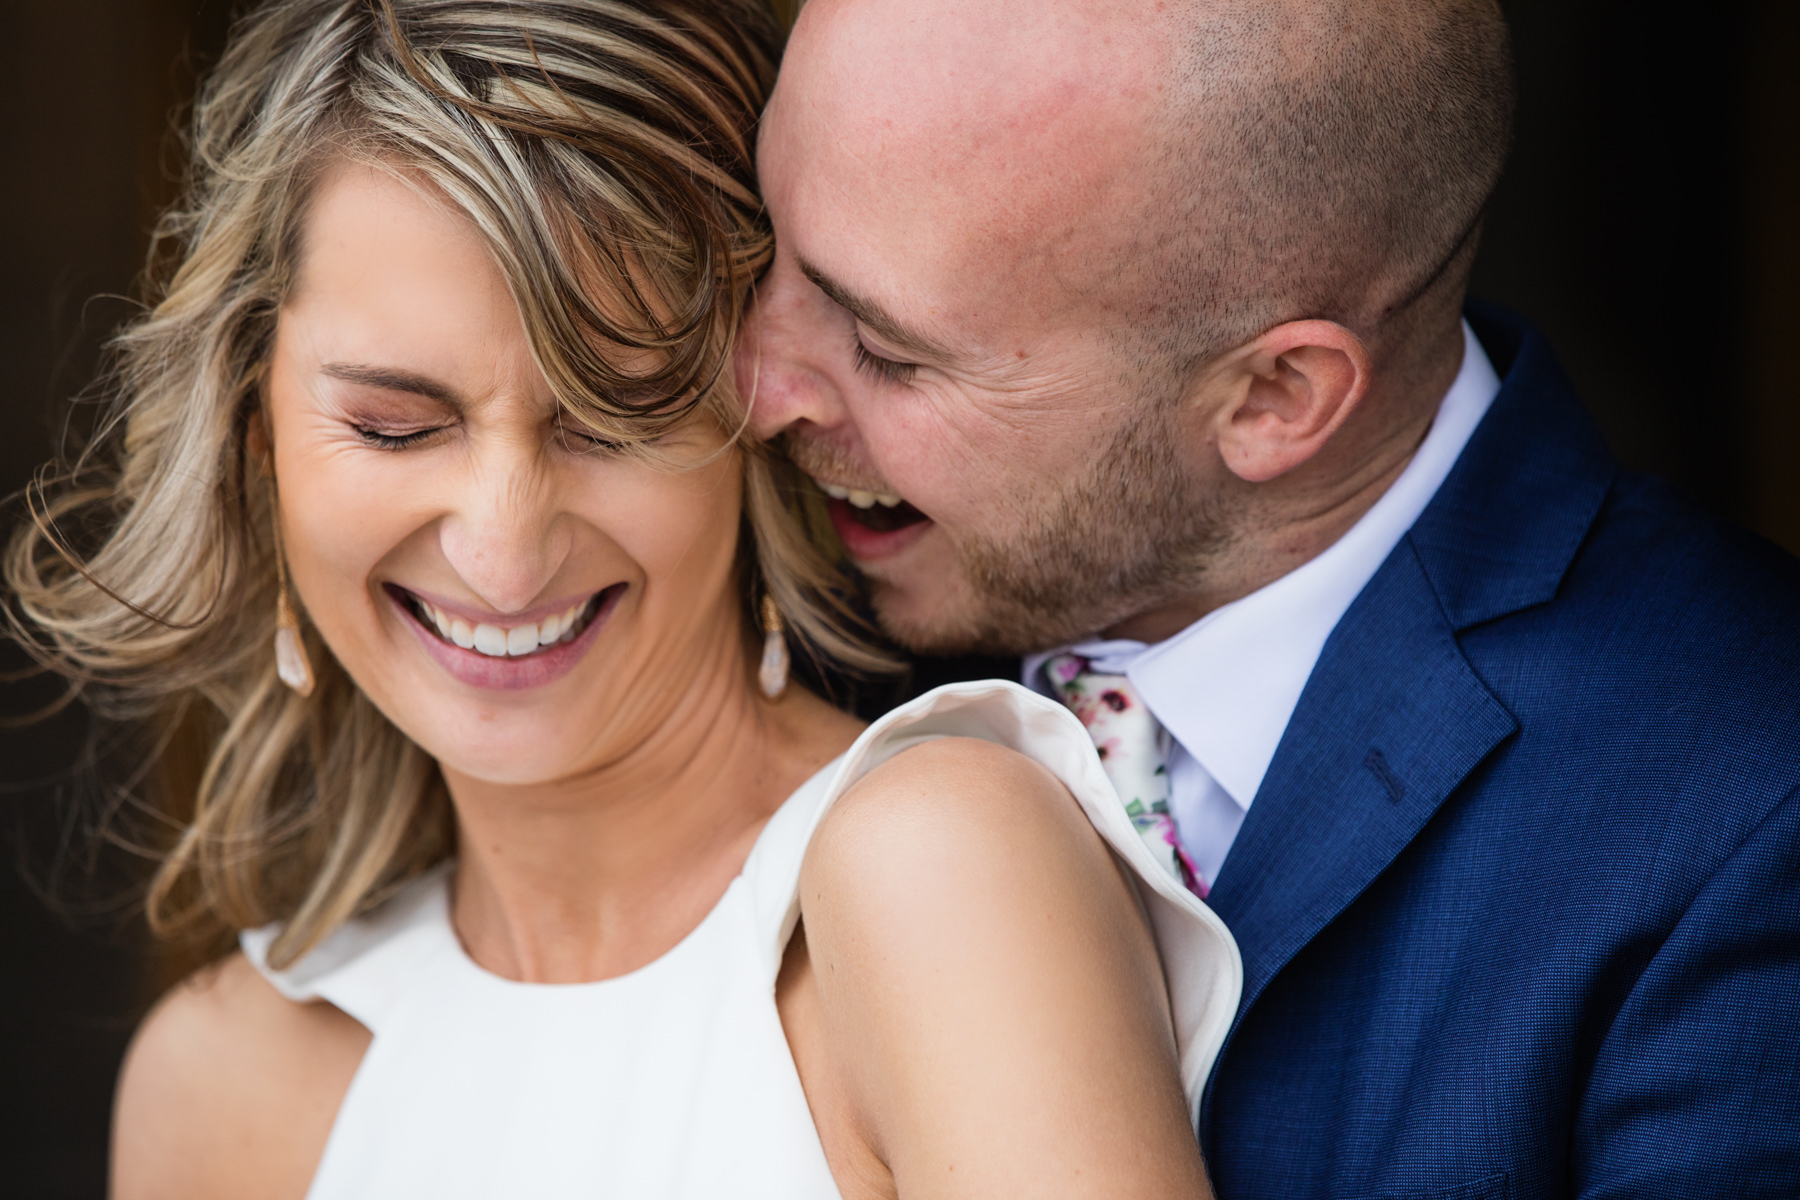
(1380, 738)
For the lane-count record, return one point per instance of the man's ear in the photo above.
(1292, 389)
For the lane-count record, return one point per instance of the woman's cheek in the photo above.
(341, 518)
(681, 528)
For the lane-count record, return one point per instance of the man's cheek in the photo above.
(938, 470)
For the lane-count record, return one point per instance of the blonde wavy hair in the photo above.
(587, 140)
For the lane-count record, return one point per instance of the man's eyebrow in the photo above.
(394, 380)
(872, 315)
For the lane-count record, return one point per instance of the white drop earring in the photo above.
(291, 663)
(773, 674)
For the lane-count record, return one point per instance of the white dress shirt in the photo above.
(1225, 687)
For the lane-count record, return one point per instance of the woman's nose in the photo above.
(502, 535)
(783, 361)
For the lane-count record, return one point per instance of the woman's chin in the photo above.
(514, 738)
(502, 755)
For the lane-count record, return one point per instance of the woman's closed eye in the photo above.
(577, 440)
(388, 439)
(882, 370)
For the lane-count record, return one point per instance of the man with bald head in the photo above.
(1131, 339)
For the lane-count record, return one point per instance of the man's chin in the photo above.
(927, 599)
(919, 621)
(944, 623)
(921, 598)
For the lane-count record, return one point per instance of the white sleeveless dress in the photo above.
(675, 1080)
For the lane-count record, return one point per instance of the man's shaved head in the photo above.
(918, 101)
(1055, 222)
(1326, 158)
(1241, 162)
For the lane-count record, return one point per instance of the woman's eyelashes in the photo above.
(385, 440)
(569, 436)
(577, 440)
(882, 370)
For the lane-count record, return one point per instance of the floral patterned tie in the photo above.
(1125, 733)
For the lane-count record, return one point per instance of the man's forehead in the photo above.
(975, 142)
(1001, 76)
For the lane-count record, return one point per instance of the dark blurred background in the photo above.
(1650, 222)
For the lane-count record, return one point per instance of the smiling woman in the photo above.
(437, 496)
(515, 124)
(426, 511)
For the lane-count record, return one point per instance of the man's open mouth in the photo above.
(878, 512)
(517, 640)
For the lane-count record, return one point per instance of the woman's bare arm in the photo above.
(992, 1015)
(229, 1090)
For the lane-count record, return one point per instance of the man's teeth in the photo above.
(859, 498)
(514, 641)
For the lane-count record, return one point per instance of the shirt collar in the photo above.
(1226, 686)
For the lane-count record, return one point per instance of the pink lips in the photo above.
(511, 674)
(870, 545)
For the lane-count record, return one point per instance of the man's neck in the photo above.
(1293, 520)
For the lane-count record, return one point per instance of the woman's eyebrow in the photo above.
(394, 380)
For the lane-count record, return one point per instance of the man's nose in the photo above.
(502, 535)
(783, 365)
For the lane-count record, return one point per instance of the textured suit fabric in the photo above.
(1519, 898)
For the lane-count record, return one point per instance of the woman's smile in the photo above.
(522, 651)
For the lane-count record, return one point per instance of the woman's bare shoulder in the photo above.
(230, 1089)
(951, 787)
(987, 986)
(947, 827)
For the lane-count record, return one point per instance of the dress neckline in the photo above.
(438, 911)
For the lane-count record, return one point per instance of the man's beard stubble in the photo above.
(1134, 533)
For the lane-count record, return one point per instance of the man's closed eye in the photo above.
(882, 370)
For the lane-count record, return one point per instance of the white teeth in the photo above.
(555, 629)
(496, 642)
(859, 497)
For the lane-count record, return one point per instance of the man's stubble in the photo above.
(1132, 533)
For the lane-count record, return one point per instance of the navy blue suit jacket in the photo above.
(1519, 899)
